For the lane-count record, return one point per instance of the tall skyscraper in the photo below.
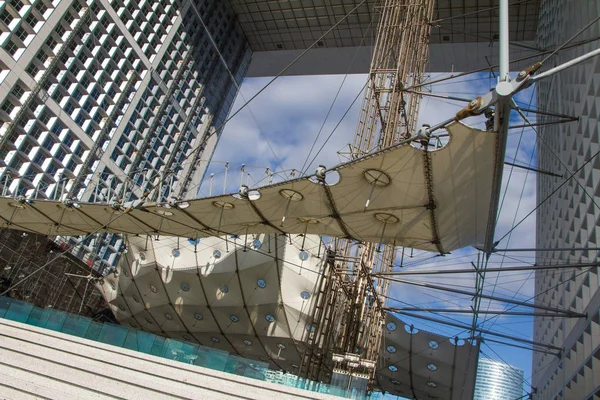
(569, 217)
(497, 381)
(103, 100)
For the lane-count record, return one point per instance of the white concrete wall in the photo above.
(39, 363)
(443, 57)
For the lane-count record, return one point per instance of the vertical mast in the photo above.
(504, 91)
(389, 114)
(353, 319)
(504, 42)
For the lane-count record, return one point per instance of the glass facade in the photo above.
(498, 381)
(105, 100)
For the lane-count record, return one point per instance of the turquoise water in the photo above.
(149, 343)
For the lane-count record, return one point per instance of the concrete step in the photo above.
(40, 363)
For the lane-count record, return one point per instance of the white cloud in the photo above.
(289, 115)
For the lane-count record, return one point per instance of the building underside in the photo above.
(463, 35)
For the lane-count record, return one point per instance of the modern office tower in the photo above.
(498, 381)
(569, 217)
(107, 100)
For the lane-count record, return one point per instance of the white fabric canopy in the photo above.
(425, 365)
(436, 200)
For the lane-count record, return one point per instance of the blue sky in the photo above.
(277, 131)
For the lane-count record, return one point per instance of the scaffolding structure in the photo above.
(65, 284)
(348, 320)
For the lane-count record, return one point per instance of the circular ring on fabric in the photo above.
(376, 177)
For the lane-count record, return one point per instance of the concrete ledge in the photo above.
(40, 363)
(443, 57)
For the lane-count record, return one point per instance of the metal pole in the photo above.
(124, 191)
(504, 40)
(144, 178)
(537, 171)
(504, 90)
(494, 298)
(225, 180)
(485, 332)
(64, 185)
(491, 312)
(96, 189)
(516, 345)
(555, 249)
(56, 189)
(564, 66)
(499, 269)
(5, 188)
(109, 185)
(242, 175)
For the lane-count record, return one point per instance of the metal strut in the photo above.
(484, 331)
(501, 269)
(489, 297)
(388, 116)
(431, 201)
(490, 312)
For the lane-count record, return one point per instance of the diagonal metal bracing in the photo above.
(532, 169)
(540, 138)
(196, 220)
(571, 176)
(531, 125)
(500, 269)
(491, 312)
(54, 222)
(37, 91)
(546, 113)
(489, 297)
(262, 217)
(335, 213)
(487, 339)
(431, 200)
(483, 331)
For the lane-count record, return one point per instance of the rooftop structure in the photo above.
(463, 34)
